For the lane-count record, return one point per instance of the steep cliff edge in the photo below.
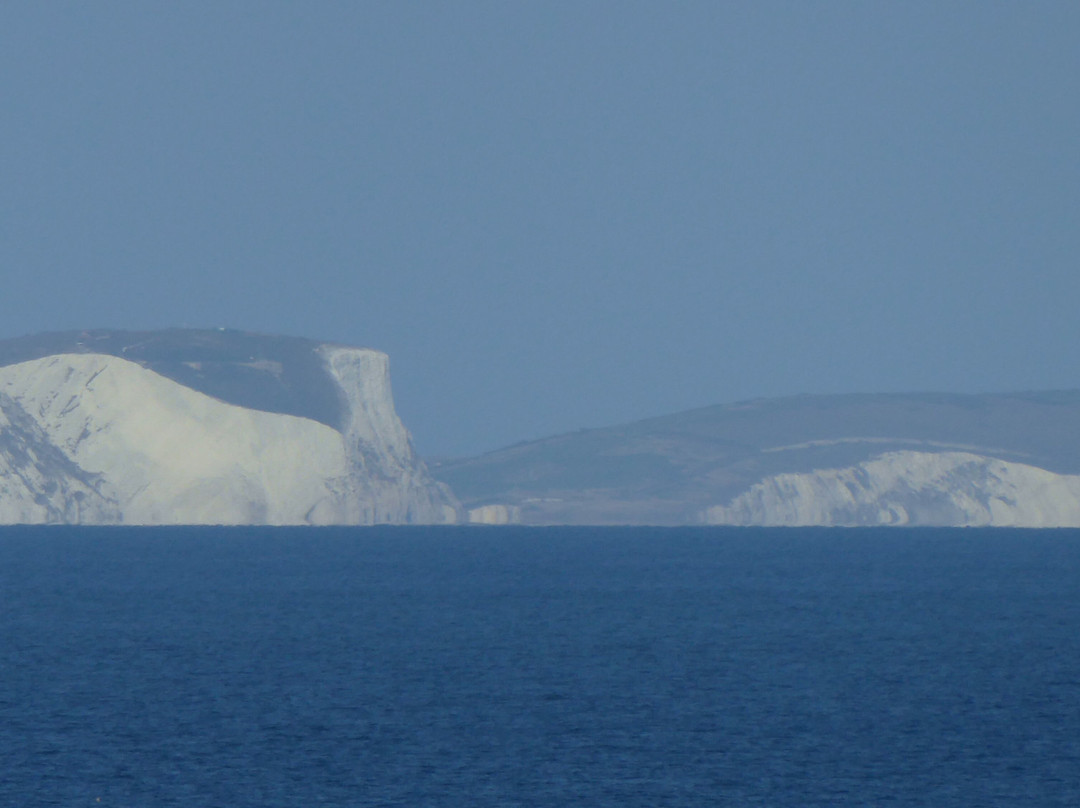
(96, 438)
(390, 483)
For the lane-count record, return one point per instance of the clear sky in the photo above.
(556, 215)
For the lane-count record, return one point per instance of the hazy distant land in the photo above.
(932, 459)
(220, 426)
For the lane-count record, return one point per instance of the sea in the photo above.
(523, 666)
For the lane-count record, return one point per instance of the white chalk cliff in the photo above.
(97, 439)
(911, 488)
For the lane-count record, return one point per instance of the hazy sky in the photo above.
(555, 215)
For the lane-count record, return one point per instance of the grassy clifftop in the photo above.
(270, 373)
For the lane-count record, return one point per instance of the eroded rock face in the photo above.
(39, 484)
(911, 488)
(92, 438)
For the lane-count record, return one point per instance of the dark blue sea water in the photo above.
(539, 667)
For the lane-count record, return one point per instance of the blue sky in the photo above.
(558, 215)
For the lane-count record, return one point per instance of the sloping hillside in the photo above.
(674, 469)
(259, 371)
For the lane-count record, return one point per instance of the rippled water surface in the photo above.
(539, 667)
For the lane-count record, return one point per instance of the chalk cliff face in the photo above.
(95, 438)
(911, 488)
(38, 482)
(388, 482)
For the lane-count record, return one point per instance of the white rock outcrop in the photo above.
(911, 488)
(495, 515)
(92, 438)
